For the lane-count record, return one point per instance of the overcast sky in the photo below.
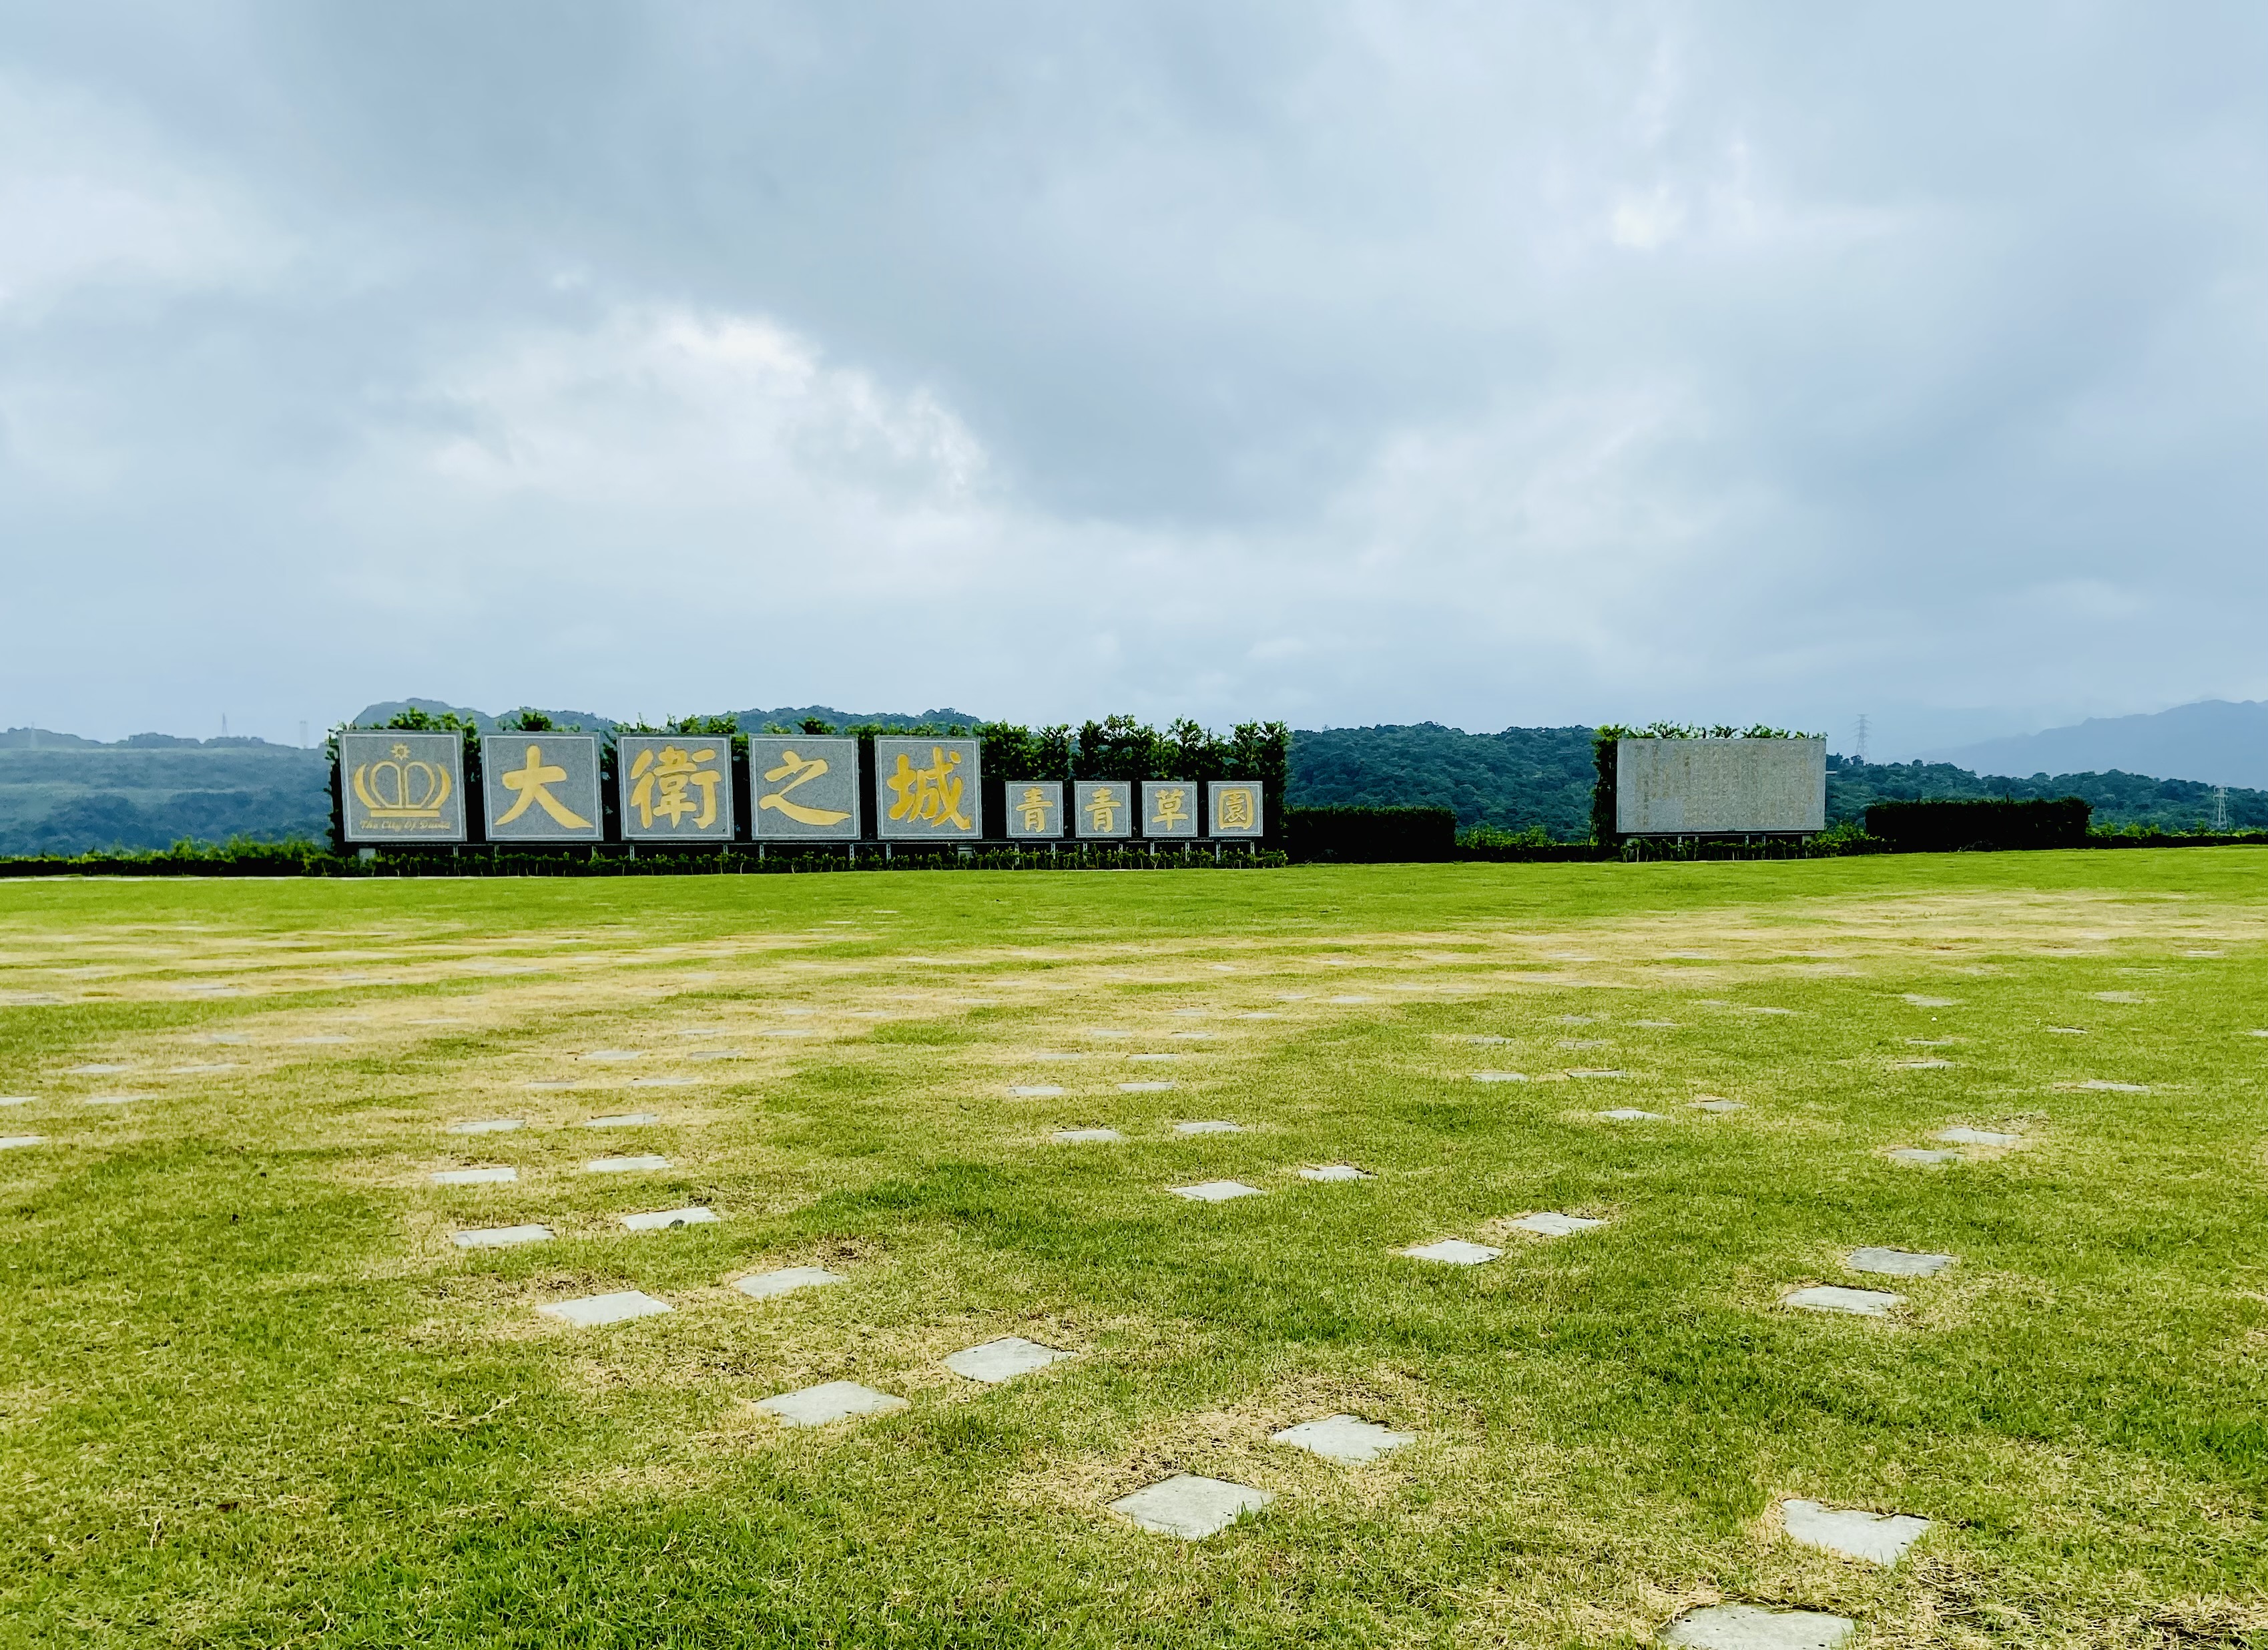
(1490, 364)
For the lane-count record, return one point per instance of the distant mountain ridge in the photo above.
(2214, 742)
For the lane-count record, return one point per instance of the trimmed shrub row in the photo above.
(1945, 825)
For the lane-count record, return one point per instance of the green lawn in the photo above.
(251, 1393)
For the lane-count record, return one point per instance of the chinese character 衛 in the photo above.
(665, 781)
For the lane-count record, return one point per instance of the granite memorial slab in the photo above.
(621, 1120)
(1215, 1191)
(1035, 1091)
(1212, 1125)
(1144, 1089)
(1631, 1114)
(1550, 1223)
(475, 1177)
(1746, 1627)
(624, 1164)
(1335, 1172)
(1897, 1263)
(1085, 1137)
(667, 1220)
(1917, 1154)
(485, 1125)
(1963, 1136)
(1453, 1252)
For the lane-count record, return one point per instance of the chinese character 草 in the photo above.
(664, 780)
(1172, 808)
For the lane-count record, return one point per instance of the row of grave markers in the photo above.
(396, 786)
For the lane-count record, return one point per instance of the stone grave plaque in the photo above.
(926, 789)
(1035, 809)
(1234, 808)
(674, 787)
(401, 787)
(1169, 808)
(805, 788)
(1102, 809)
(542, 787)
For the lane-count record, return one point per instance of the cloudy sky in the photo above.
(1484, 364)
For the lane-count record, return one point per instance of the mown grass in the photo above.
(250, 1392)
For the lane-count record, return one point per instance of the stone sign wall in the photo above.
(674, 787)
(1685, 787)
(805, 788)
(541, 788)
(396, 787)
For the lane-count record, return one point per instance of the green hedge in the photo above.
(1946, 825)
(1370, 835)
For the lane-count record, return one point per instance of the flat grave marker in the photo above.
(499, 1237)
(829, 1402)
(1748, 1627)
(484, 1126)
(1596, 1071)
(1550, 1223)
(786, 1280)
(95, 1071)
(1211, 1125)
(1035, 1091)
(111, 1099)
(2100, 1087)
(1717, 1103)
(668, 1219)
(1347, 1439)
(1085, 1137)
(615, 1057)
(1960, 1134)
(1004, 1360)
(1865, 1303)
(1215, 1191)
(12, 1142)
(1931, 1002)
(1191, 1506)
(1897, 1262)
(592, 1311)
(475, 1177)
(1918, 1155)
(623, 1165)
(1878, 1537)
(1453, 1252)
(621, 1120)
(1144, 1089)
(1335, 1172)
(1500, 1076)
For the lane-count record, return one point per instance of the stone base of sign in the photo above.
(1189, 1507)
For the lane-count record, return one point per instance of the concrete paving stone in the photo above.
(1191, 1506)
(2119, 997)
(1453, 1252)
(1581, 1042)
(1354, 999)
(203, 1068)
(615, 1057)
(1085, 1137)
(1348, 1439)
(475, 1177)
(1711, 1102)
(1500, 1076)
(621, 1120)
(786, 1280)
(668, 1219)
(1631, 1114)
(1915, 1154)
(1865, 1303)
(2109, 1088)
(15, 1099)
(1005, 1359)
(1488, 1039)
(828, 1403)
(1594, 1071)
(1877, 1538)
(1897, 1263)
(1746, 1627)
(1552, 1223)
(591, 1311)
(715, 1054)
(546, 1084)
(1153, 1058)
(664, 1082)
(485, 1125)
(1215, 1191)
(110, 1100)
(499, 1237)
(1035, 1091)
(1144, 1088)
(1931, 1002)
(1211, 1125)
(2081, 1031)
(95, 1071)
(10, 1142)
(1977, 1136)
(1920, 1066)
(1335, 1171)
(1259, 1013)
(316, 1042)
(623, 1165)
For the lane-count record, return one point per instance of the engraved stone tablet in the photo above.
(1234, 808)
(804, 787)
(674, 787)
(926, 789)
(1169, 808)
(542, 787)
(1035, 809)
(1102, 809)
(401, 787)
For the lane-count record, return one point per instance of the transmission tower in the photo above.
(1862, 741)
(2220, 807)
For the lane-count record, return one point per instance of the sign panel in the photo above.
(401, 787)
(1685, 787)
(926, 789)
(1035, 807)
(1234, 808)
(542, 787)
(1102, 808)
(806, 787)
(674, 787)
(1169, 808)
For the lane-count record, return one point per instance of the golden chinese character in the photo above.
(533, 782)
(1035, 809)
(932, 794)
(1102, 808)
(1173, 811)
(1234, 810)
(804, 769)
(664, 780)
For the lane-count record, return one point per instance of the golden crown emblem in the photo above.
(396, 789)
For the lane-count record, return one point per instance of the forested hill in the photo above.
(1517, 779)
